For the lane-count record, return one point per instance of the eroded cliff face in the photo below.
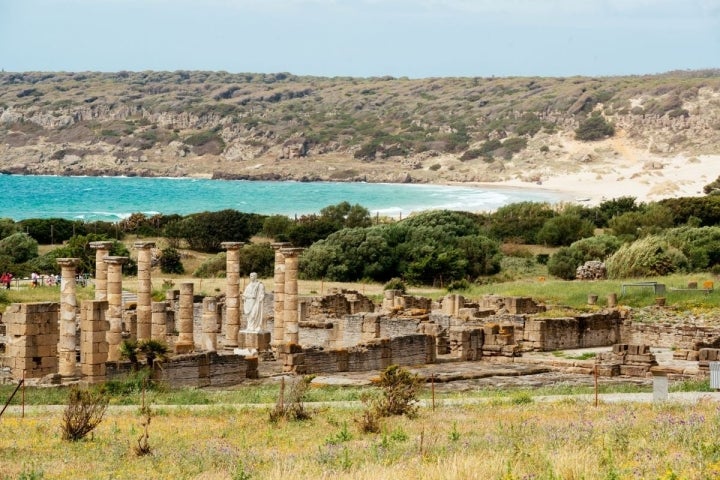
(388, 130)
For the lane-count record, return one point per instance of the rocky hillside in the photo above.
(281, 126)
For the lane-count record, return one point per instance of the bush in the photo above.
(594, 127)
(212, 267)
(395, 284)
(648, 220)
(399, 392)
(20, 246)
(207, 230)
(520, 221)
(292, 407)
(458, 285)
(170, 261)
(564, 263)
(83, 413)
(258, 258)
(564, 230)
(647, 257)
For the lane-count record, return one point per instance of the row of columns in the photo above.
(151, 315)
(285, 293)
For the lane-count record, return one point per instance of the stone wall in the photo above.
(624, 359)
(374, 355)
(197, 370)
(512, 305)
(338, 304)
(32, 331)
(582, 331)
(683, 337)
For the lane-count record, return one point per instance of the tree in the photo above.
(171, 261)
(520, 221)
(276, 227)
(20, 246)
(207, 230)
(564, 230)
(595, 127)
(345, 215)
(8, 227)
(258, 258)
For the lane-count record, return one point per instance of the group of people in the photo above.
(6, 279)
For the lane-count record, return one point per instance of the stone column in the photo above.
(144, 309)
(93, 340)
(185, 342)
(232, 293)
(114, 299)
(278, 335)
(102, 250)
(158, 329)
(290, 322)
(209, 324)
(68, 313)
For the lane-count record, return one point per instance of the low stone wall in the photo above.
(667, 335)
(583, 331)
(374, 355)
(197, 370)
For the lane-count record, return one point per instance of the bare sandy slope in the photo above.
(594, 172)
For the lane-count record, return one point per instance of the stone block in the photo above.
(608, 370)
(634, 370)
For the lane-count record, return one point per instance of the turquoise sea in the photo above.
(114, 198)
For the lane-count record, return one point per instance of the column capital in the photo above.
(292, 252)
(280, 245)
(67, 262)
(115, 260)
(143, 245)
(101, 245)
(232, 245)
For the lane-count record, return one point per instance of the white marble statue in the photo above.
(253, 298)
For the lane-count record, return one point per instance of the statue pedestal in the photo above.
(258, 341)
(184, 347)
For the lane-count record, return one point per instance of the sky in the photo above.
(363, 38)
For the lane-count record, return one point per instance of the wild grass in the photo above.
(575, 293)
(511, 440)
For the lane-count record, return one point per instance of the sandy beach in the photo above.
(648, 180)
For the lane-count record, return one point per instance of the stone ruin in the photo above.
(592, 270)
(341, 331)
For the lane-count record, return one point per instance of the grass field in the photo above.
(510, 438)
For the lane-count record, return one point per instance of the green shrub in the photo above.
(399, 393)
(520, 221)
(435, 167)
(395, 284)
(515, 144)
(564, 230)
(458, 285)
(258, 258)
(647, 257)
(564, 263)
(171, 261)
(212, 267)
(20, 246)
(595, 127)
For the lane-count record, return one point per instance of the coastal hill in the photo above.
(281, 126)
